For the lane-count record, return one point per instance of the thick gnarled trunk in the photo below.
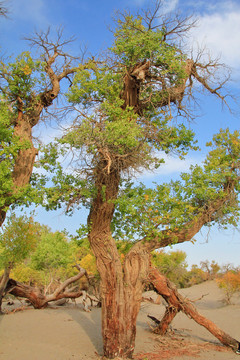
(23, 163)
(121, 284)
(121, 295)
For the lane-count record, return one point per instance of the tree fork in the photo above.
(169, 292)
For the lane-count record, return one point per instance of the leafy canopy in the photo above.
(123, 124)
(20, 80)
(18, 239)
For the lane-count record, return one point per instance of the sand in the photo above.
(68, 332)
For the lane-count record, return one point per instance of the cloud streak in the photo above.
(172, 166)
(219, 30)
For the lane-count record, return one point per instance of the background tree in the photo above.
(230, 283)
(126, 104)
(27, 88)
(211, 269)
(17, 240)
(173, 265)
(45, 272)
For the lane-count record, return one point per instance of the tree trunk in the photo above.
(177, 303)
(121, 284)
(24, 161)
(121, 294)
(3, 282)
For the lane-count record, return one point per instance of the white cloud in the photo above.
(219, 31)
(172, 166)
(175, 165)
(168, 6)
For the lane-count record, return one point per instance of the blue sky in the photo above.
(89, 21)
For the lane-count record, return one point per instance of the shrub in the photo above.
(230, 283)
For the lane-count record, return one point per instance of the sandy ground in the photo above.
(68, 332)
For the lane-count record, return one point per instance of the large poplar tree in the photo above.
(28, 88)
(131, 107)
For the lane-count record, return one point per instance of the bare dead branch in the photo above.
(40, 300)
(3, 9)
(177, 303)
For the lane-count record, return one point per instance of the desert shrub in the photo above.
(230, 283)
(196, 276)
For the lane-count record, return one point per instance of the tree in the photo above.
(126, 104)
(173, 265)
(210, 269)
(17, 240)
(53, 251)
(50, 258)
(230, 283)
(27, 88)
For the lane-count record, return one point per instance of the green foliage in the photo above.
(135, 42)
(142, 212)
(105, 125)
(173, 265)
(230, 283)
(20, 79)
(17, 240)
(53, 251)
(41, 257)
(7, 151)
(96, 84)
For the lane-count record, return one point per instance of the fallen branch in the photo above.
(40, 300)
(177, 303)
(198, 299)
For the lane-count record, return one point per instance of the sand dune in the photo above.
(68, 332)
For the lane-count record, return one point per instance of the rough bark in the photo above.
(3, 282)
(177, 303)
(35, 295)
(132, 83)
(121, 284)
